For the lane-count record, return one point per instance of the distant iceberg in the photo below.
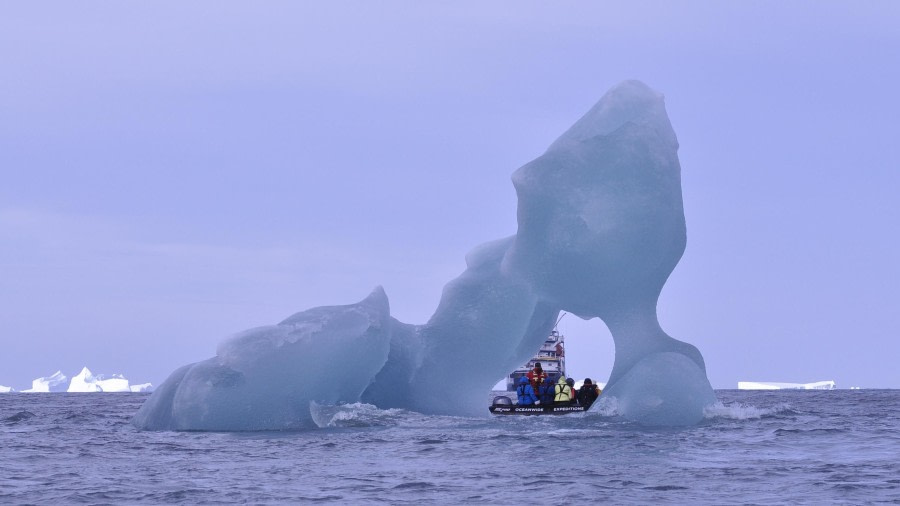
(143, 387)
(761, 385)
(85, 381)
(56, 382)
(6, 390)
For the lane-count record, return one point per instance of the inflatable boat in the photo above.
(503, 405)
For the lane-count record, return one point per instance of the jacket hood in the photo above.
(523, 381)
(562, 380)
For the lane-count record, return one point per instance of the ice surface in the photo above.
(266, 378)
(56, 382)
(143, 387)
(85, 381)
(485, 325)
(601, 224)
(665, 388)
(600, 228)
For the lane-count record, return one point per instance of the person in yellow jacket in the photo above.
(564, 393)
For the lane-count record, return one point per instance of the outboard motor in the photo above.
(502, 400)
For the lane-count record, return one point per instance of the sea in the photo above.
(754, 447)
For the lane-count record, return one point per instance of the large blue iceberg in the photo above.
(600, 228)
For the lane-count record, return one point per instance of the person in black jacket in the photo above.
(588, 393)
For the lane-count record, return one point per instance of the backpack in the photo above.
(546, 393)
(520, 392)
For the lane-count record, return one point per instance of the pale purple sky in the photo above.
(173, 173)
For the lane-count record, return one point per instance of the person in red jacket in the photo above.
(536, 376)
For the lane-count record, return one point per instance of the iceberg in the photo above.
(56, 382)
(600, 229)
(763, 385)
(6, 390)
(265, 378)
(453, 348)
(143, 387)
(85, 381)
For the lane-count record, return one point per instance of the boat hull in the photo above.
(534, 410)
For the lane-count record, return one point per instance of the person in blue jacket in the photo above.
(526, 393)
(546, 391)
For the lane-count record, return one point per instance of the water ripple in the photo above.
(753, 447)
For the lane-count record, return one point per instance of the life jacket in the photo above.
(563, 392)
(536, 378)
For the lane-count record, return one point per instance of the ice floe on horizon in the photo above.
(769, 385)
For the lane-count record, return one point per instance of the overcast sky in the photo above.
(173, 173)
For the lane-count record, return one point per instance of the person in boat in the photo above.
(546, 391)
(536, 376)
(588, 393)
(563, 392)
(525, 393)
(574, 395)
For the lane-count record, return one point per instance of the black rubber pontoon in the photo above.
(535, 410)
(504, 406)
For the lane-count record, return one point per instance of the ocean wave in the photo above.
(604, 406)
(18, 417)
(358, 414)
(738, 411)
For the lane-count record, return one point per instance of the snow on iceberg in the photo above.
(266, 378)
(85, 381)
(600, 228)
(56, 382)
